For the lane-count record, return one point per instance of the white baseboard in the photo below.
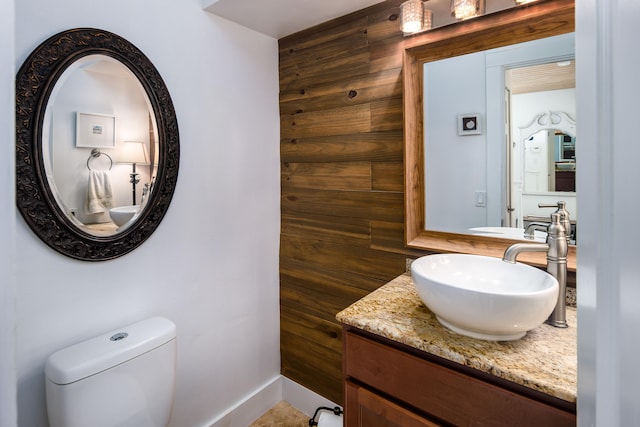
(303, 399)
(248, 410)
(265, 397)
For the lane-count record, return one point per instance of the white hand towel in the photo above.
(99, 194)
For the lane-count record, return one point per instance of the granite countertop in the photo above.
(544, 360)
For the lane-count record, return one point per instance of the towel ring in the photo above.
(95, 153)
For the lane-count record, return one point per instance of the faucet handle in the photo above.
(560, 204)
(564, 215)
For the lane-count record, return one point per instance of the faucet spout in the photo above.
(556, 249)
(513, 251)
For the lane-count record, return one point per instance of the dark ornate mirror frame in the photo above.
(35, 200)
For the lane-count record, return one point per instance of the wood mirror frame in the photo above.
(525, 23)
(35, 198)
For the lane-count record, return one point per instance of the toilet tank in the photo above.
(123, 378)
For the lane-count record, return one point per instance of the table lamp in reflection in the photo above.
(134, 153)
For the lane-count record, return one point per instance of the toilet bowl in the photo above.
(123, 378)
(123, 214)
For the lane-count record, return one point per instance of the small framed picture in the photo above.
(469, 124)
(95, 130)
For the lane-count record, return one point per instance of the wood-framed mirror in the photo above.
(97, 144)
(545, 18)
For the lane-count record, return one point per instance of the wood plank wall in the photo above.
(342, 183)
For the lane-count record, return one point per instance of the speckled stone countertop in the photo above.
(544, 360)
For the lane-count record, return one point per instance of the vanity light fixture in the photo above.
(519, 2)
(415, 17)
(465, 9)
(134, 153)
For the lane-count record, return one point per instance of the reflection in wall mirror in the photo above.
(90, 180)
(542, 166)
(83, 98)
(494, 180)
(480, 156)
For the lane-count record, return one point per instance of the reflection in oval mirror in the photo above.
(99, 145)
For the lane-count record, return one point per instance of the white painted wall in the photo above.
(455, 165)
(7, 218)
(212, 265)
(607, 179)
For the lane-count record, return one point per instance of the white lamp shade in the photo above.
(132, 152)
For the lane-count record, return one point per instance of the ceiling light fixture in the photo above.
(465, 9)
(411, 16)
(415, 17)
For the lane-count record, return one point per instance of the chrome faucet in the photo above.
(530, 231)
(564, 215)
(556, 248)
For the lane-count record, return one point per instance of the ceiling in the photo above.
(535, 78)
(280, 18)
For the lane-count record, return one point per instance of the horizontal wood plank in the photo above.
(356, 90)
(351, 231)
(387, 115)
(330, 176)
(384, 24)
(358, 260)
(384, 206)
(322, 277)
(355, 62)
(336, 121)
(310, 363)
(373, 146)
(387, 176)
(389, 237)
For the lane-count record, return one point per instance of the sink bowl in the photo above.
(484, 297)
(123, 214)
(509, 233)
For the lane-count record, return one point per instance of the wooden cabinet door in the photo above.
(441, 392)
(364, 408)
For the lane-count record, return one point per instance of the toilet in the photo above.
(123, 378)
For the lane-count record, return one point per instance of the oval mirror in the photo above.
(97, 145)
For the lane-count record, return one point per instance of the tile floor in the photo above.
(282, 415)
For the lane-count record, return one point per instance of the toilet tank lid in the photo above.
(108, 350)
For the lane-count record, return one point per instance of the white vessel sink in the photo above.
(509, 233)
(484, 297)
(123, 214)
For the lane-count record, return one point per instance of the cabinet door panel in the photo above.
(366, 409)
(442, 392)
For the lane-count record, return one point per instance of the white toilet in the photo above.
(124, 378)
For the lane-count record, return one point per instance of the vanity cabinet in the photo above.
(565, 180)
(388, 385)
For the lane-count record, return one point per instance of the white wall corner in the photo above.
(252, 407)
(303, 399)
(208, 3)
(265, 397)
